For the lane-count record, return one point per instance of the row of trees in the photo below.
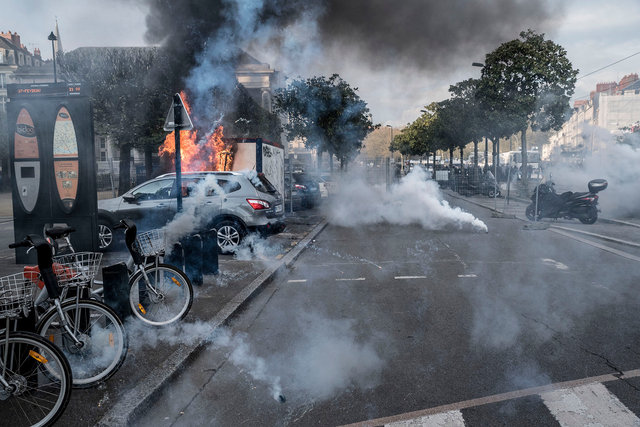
(525, 83)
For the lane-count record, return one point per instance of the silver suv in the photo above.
(234, 203)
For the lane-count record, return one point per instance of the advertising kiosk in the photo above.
(52, 162)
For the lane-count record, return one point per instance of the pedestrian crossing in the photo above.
(608, 400)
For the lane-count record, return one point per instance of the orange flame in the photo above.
(198, 153)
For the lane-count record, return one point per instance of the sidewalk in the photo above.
(156, 355)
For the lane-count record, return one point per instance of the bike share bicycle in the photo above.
(159, 293)
(89, 333)
(35, 376)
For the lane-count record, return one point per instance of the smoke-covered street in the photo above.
(381, 320)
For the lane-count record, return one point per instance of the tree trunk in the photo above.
(461, 154)
(475, 154)
(331, 163)
(486, 152)
(124, 181)
(525, 175)
(451, 158)
(319, 163)
(148, 162)
(434, 165)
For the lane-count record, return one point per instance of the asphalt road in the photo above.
(401, 322)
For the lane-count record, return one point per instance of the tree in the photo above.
(130, 92)
(528, 82)
(327, 114)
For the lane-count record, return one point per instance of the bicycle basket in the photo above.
(16, 295)
(151, 243)
(76, 268)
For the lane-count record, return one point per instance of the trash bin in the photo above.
(115, 279)
(210, 252)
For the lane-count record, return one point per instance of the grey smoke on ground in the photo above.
(413, 200)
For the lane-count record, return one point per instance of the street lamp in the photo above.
(53, 38)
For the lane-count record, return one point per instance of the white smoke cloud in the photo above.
(617, 163)
(414, 200)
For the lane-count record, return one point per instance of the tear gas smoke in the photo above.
(327, 356)
(414, 200)
(617, 163)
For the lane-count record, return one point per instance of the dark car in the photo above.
(305, 190)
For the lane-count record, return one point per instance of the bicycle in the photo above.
(35, 376)
(159, 294)
(89, 333)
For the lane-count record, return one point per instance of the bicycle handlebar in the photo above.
(45, 261)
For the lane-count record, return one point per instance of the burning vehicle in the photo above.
(234, 203)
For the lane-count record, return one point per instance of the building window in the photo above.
(1, 56)
(3, 81)
(103, 156)
(102, 141)
(3, 101)
(20, 59)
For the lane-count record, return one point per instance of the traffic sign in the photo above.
(185, 123)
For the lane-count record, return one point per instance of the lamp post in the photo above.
(53, 38)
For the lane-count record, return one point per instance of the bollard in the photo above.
(176, 257)
(116, 289)
(210, 252)
(192, 246)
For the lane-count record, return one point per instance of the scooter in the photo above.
(546, 203)
(486, 186)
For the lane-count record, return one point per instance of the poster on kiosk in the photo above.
(52, 162)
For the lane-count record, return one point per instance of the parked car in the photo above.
(305, 190)
(235, 204)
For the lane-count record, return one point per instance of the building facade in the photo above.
(611, 107)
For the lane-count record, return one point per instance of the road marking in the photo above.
(590, 404)
(297, 280)
(467, 275)
(409, 277)
(597, 245)
(472, 403)
(444, 419)
(556, 264)
(600, 236)
(350, 280)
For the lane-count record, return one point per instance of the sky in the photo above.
(400, 59)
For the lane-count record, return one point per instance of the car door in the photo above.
(151, 205)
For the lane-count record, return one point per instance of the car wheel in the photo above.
(229, 236)
(105, 235)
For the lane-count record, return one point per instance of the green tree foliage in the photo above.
(327, 114)
(527, 82)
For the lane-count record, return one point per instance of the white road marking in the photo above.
(502, 397)
(444, 419)
(556, 264)
(409, 277)
(297, 280)
(350, 280)
(467, 275)
(590, 404)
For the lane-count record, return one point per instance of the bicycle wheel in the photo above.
(102, 345)
(39, 380)
(164, 299)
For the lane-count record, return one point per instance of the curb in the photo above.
(136, 400)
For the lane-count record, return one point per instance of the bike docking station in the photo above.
(52, 161)
(196, 255)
